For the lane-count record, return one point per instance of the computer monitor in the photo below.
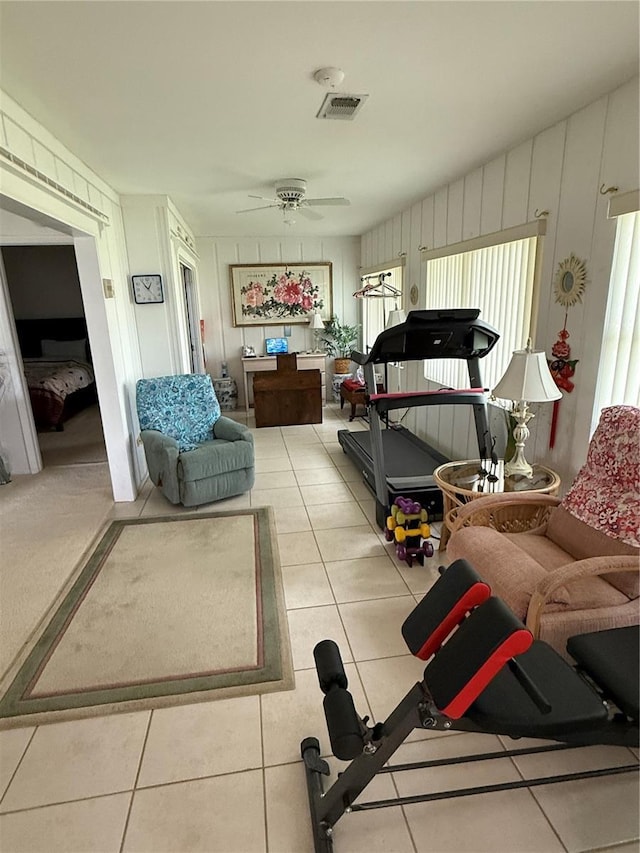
(275, 345)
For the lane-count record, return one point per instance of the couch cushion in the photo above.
(582, 542)
(213, 458)
(545, 552)
(184, 407)
(510, 571)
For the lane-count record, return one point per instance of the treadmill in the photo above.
(394, 462)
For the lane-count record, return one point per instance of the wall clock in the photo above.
(147, 289)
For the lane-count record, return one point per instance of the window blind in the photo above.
(499, 280)
(619, 371)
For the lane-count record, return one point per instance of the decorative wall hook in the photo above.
(604, 191)
(540, 213)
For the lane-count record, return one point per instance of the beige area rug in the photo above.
(81, 442)
(164, 611)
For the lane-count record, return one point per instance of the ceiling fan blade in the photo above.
(264, 207)
(309, 214)
(315, 202)
(264, 198)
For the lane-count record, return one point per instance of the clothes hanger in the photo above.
(380, 290)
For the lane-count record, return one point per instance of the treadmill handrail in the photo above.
(389, 402)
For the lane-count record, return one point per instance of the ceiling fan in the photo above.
(290, 198)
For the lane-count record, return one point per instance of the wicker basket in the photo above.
(341, 365)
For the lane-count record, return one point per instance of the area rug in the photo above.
(164, 611)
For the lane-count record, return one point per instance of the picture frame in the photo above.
(280, 294)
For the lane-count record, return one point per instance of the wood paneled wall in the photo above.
(224, 341)
(559, 170)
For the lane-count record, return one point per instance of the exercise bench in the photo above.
(485, 673)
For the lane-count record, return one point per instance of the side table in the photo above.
(461, 482)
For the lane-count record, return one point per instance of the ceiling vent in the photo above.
(341, 107)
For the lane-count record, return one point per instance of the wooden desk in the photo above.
(306, 361)
(287, 395)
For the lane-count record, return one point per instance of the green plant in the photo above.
(338, 338)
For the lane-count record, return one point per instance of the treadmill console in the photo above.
(447, 333)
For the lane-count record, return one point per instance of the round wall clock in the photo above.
(147, 289)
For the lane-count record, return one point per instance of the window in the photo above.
(498, 279)
(619, 372)
(376, 308)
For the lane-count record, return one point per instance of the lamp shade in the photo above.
(528, 378)
(316, 321)
(395, 318)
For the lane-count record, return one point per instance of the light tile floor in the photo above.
(226, 776)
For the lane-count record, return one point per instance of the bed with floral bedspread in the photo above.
(56, 387)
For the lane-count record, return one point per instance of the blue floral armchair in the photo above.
(194, 454)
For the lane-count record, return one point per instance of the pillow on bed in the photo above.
(65, 349)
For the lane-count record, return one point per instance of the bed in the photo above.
(57, 368)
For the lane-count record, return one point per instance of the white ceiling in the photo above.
(211, 101)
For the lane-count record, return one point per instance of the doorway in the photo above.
(193, 324)
(48, 312)
(22, 225)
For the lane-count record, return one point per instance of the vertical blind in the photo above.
(499, 281)
(619, 371)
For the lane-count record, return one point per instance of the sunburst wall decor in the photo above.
(570, 281)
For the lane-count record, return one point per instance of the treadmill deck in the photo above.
(409, 465)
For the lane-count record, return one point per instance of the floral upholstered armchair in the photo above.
(194, 454)
(567, 566)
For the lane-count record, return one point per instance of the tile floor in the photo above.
(226, 776)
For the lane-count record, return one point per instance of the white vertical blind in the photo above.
(499, 281)
(619, 372)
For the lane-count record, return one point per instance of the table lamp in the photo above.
(395, 318)
(526, 380)
(317, 325)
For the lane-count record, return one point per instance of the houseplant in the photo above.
(339, 339)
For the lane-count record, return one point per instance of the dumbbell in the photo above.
(343, 723)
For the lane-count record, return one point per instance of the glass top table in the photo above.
(461, 482)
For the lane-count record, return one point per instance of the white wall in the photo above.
(43, 182)
(223, 341)
(560, 170)
(157, 238)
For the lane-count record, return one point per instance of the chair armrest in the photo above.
(564, 575)
(230, 430)
(506, 513)
(161, 452)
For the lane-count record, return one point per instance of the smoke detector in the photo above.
(329, 77)
(342, 107)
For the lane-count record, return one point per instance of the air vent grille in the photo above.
(341, 107)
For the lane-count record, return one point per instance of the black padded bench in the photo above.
(484, 673)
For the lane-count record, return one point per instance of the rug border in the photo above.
(265, 520)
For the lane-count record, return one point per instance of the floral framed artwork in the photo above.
(280, 294)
